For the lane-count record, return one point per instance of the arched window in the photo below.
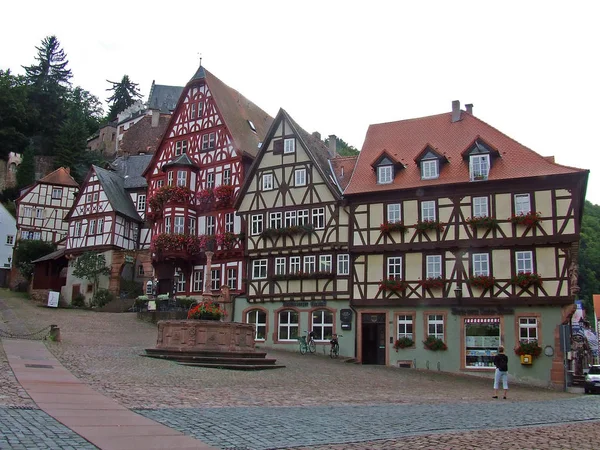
(288, 325)
(258, 318)
(322, 324)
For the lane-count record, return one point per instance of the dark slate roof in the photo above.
(164, 97)
(130, 168)
(114, 188)
(181, 161)
(51, 256)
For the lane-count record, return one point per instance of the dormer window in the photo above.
(479, 167)
(430, 169)
(385, 174)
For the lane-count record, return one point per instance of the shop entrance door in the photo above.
(373, 338)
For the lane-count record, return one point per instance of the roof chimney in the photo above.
(332, 146)
(469, 107)
(317, 135)
(455, 111)
(155, 117)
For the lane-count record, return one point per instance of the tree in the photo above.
(27, 251)
(15, 114)
(343, 148)
(88, 105)
(71, 141)
(26, 170)
(589, 255)
(125, 93)
(51, 69)
(91, 266)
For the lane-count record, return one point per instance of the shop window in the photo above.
(322, 325)
(482, 339)
(288, 326)
(258, 318)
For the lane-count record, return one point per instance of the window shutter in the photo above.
(278, 147)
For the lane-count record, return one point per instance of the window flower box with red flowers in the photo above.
(527, 279)
(527, 220)
(170, 194)
(393, 285)
(206, 311)
(482, 222)
(305, 275)
(223, 195)
(390, 227)
(205, 198)
(403, 342)
(287, 231)
(528, 348)
(432, 283)
(227, 240)
(434, 344)
(423, 226)
(178, 243)
(482, 281)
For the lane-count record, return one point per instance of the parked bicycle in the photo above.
(334, 352)
(307, 343)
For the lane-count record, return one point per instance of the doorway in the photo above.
(373, 338)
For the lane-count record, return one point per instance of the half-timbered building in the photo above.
(212, 138)
(42, 207)
(298, 261)
(464, 238)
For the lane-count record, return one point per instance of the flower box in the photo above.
(287, 231)
(186, 243)
(527, 279)
(432, 283)
(227, 240)
(434, 344)
(482, 222)
(393, 285)
(390, 227)
(206, 311)
(403, 342)
(223, 195)
(424, 226)
(170, 194)
(305, 276)
(527, 220)
(205, 197)
(528, 348)
(481, 281)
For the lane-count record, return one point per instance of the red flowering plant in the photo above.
(423, 226)
(170, 194)
(224, 195)
(227, 240)
(167, 242)
(434, 344)
(528, 348)
(390, 227)
(481, 281)
(205, 196)
(153, 216)
(482, 222)
(305, 275)
(529, 219)
(527, 279)
(206, 311)
(432, 283)
(393, 285)
(403, 342)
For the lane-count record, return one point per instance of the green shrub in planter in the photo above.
(78, 301)
(102, 297)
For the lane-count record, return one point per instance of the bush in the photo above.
(78, 301)
(185, 302)
(131, 289)
(102, 297)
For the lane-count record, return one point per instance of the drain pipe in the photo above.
(355, 332)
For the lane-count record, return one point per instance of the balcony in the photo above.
(179, 246)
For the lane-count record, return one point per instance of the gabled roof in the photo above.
(163, 97)
(57, 254)
(343, 166)
(114, 188)
(142, 137)
(60, 177)
(182, 160)
(130, 168)
(407, 138)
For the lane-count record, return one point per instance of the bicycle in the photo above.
(307, 345)
(334, 352)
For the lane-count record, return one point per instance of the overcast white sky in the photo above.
(529, 67)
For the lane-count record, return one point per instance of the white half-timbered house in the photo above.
(212, 138)
(464, 237)
(298, 261)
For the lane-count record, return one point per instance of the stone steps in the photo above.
(234, 366)
(215, 359)
(203, 353)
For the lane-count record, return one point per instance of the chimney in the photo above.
(155, 117)
(455, 111)
(317, 135)
(332, 146)
(469, 107)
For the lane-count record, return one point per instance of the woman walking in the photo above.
(501, 363)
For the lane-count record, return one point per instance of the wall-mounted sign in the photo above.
(312, 304)
(128, 259)
(346, 316)
(497, 311)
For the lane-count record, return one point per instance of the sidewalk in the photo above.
(96, 418)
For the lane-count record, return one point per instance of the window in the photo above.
(394, 268)
(77, 229)
(167, 224)
(95, 196)
(528, 327)
(88, 198)
(322, 325)
(522, 204)
(181, 282)
(275, 220)
(37, 235)
(179, 225)
(480, 207)
(193, 111)
(434, 266)
(343, 264)
(39, 213)
(198, 280)
(428, 210)
(192, 226)
(385, 174)
(394, 213)
(290, 218)
(279, 266)
(259, 269)
(267, 182)
(181, 178)
(160, 183)
(56, 193)
(309, 264)
(524, 262)
(232, 278)
(480, 167)
(178, 148)
(208, 141)
(405, 327)
(258, 318)
(210, 180)
(300, 177)
(482, 338)
(302, 217)
(257, 224)
(229, 222)
(141, 202)
(318, 218)
(289, 145)
(325, 263)
(170, 178)
(227, 176)
(216, 279)
(430, 169)
(149, 287)
(10, 239)
(200, 105)
(92, 228)
(100, 227)
(141, 270)
(210, 225)
(27, 211)
(435, 325)
(294, 264)
(481, 264)
(288, 326)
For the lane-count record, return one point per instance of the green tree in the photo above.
(343, 148)
(27, 251)
(80, 100)
(71, 141)
(124, 94)
(91, 266)
(589, 255)
(15, 114)
(51, 68)
(26, 170)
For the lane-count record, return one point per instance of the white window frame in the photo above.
(227, 177)
(193, 111)
(92, 227)
(428, 210)
(275, 220)
(100, 226)
(322, 324)
(10, 239)
(405, 327)
(39, 213)
(192, 226)
(325, 263)
(198, 278)
(394, 213)
(287, 323)
(208, 141)
(394, 268)
(343, 264)
(479, 165)
(267, 182)
(77, 229)
(524, 262)
(280, 266)
(433, 266)
(480, 207)
(436, 326)
(522, 204)
(385, 174)
(289, 145)
(141, 202)
(27, 211)
(430, 169)
(318, 218)
(232, 278)
(178, 148)
(95, 196)
(179, 225)
(170, 178)
(181, 282)
(56, 193)
(310, 263)
(527, 325)
(260, 326)
(256, 222)
(290, 218)
(295, 264)
(215, 279)
(181, 178)
(168, 224)
(209, 225)
(481, 264)
(229, 222)
(302, 217)
(259, 269)
(210, 180)
(300, 177)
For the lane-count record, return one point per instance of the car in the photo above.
(592, 380)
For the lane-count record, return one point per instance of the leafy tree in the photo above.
(589, 255)
(71, 141)
(80, 100)
(343, 148)
(15, 114)
(91, 266)
(125, 93)
(26, 170)
(27, 251)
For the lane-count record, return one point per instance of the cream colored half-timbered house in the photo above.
(462, 234)
(41, 208)
(298, 262)
(211, 140)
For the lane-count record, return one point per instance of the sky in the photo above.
(529, 67)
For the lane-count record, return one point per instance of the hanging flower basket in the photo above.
(403, 342)
(527, 220)
(527, 279)
(206, 311)
(481, 281)
(424, 226)
(528, 348)
(393, 285)
(432, 283)
(390, 227)
(482, 222)
(434, 344)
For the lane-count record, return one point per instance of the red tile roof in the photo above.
(404, 140)
(60, 177)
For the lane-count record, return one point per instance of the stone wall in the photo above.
(155, 316)
(39, 295)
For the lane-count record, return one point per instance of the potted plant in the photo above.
(206, 311)
(530, 348)
(434, 344)
(432, 283)
(481, 281)
(527, 279)
(403, 342)
(482, 222)
(422, 226)
(529, 219)
(390, 227)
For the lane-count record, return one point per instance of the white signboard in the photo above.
(151, 305)
(53, 299)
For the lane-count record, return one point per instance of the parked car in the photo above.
(592, 380)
